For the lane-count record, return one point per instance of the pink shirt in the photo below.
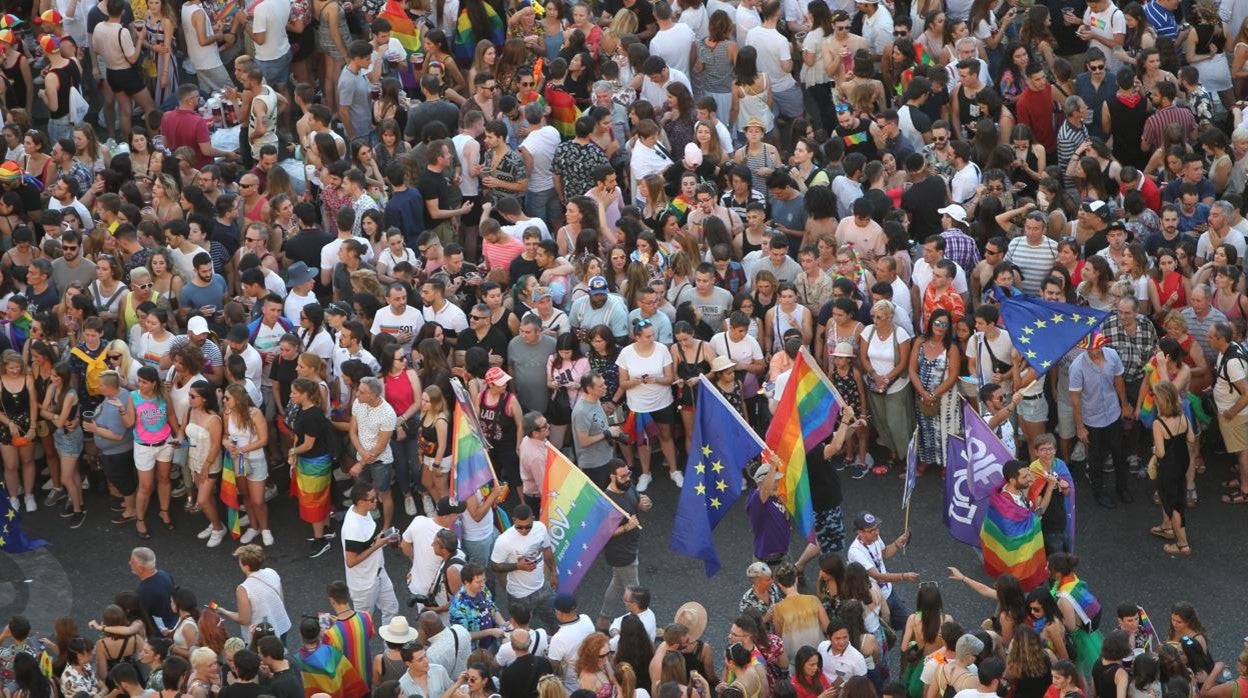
(532, 465)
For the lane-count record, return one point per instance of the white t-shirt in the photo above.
(773, 49)
(370, 422)
(450, 317)
(847, 665)
(1224, 394)
(516, 230)
(647, 397)
(540, 144)
(294, 305)
(1102, 28)
(266, 343)
(1233, 237)
(883, 354)
(672, 45)
(972, 693)
(386, 322)
(655, 93)
(329, 253)
(358, 531)
(151, 349)
(746, 19)
(921, 276)
(270, 17)
(962, 186)
(647, 620)
(511, 547)
(871, 557)
(425, 563)
(745, 351)
(565, 644)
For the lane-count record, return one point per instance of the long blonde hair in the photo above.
(122, 349)
(240, 414)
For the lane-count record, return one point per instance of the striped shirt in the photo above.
(1156, 124)
(1069, 139)
(1034, 261)
(1161, 20)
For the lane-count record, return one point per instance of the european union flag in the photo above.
(12, 538)
(721, 446)
(1043, 331)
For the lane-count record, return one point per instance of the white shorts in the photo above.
(1065, 420)
(256, 466)
(145, 457)
(442, 466)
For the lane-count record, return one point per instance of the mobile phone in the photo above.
(390, 532)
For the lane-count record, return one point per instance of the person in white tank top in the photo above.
(468, 152)
(260, 597)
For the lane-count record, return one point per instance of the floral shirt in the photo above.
(8, 653)
(510, 168)
(475, 613)
(1201, 104)
(762, 605)
(78, 678)
(574, 163)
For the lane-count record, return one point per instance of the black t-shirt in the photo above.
(921, 201)
(433, 185)
(519, 267)
(494, 342)
(96, 16)
(44, 301)
(241, 690)
(1096, 243)
(283, 374)
(519, 679)
(825, 486)
(31, 201)
(313, 422)
(1053, 520)
(881, 204)
(227, 235)
(154, 595)
(1068, 42)
(285, 684)
(621, 550)
(305, 246)
(641, 8)
(932, 106)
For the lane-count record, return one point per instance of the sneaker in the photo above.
(426, 504)
(30, 503)
(643, 482)
(68, 510)
(54, 495)
(86, 484)
(248, 536)
(1134, 463)
(15, 504)
(317, 547)
(678, 478)
(179, 491)
(270, 492)
(858, 472)
(77, 519)
(203, 535)
(267, 536)
(409, 505)
(215, 538)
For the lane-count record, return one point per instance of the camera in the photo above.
(421, 599)
(623, 439)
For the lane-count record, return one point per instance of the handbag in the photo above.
(559, 412)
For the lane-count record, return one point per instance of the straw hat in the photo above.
(692, 615)
(397, 631)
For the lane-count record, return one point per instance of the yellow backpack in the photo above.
(95, 367)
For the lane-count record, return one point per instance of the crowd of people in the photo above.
(257, 246)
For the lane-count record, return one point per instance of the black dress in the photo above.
(1171, 471)
(686, 370)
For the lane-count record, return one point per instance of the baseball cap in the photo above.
(445, 507)
(197, 325)
(1099, 208)
(954, 211)
(497, 376)
(597, 286)
(865, 521)
(541, 293)
(339, 308)
(693, 154)
(564, 602)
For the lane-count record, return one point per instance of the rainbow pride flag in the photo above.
(578, 517)
(350, 636)
(402, 27)
(1012, 541)
(326, 670)
(563, 110)
(807, 414)
(310, 485)
(230, 475)
(1086, 606)
(464, 43)
(471, 469)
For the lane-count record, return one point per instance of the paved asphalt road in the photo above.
(84, 568)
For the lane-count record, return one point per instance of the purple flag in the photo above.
(963, 514)
(912, 469)
(985, 455)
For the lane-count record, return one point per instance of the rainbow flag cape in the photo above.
(579, 517)
(1086, 605)
(806, 416)
(230, 476)
(325, 670)
(471, 469)
(310, 483)
(563, 110)
(464, 43)
(1012, 541)
(402, 27)
(350, 637)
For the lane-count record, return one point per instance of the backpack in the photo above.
(95, 367)
(1234, 351)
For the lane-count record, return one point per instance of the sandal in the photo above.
(166, 519)
(1178, 550)
(1163, 533)
(144, 534)
(1236, 497)
(1232, 484)
(879, 469)
(123, 519)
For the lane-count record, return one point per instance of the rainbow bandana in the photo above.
(10, 171)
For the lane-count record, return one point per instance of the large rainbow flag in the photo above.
(326, 670)
(471, 469)
(402, 27)
(578, 516)
(230, 475)
(807, 414)
(1012, 541)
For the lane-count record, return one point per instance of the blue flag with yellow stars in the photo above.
(1043, 331)
(12, 538)
(722, 444)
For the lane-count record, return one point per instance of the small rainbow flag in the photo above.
(471, 469)
(1086, 605)
(229, 494)
(1147, 627)
(578, 516)
(807, 414)
(922, 56)
(1012, 541)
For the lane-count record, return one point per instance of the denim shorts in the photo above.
(276, 72)
(379, 474)
(68, 443)
(1035, 409)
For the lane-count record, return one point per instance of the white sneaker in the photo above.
(267, 536)
(215, 537)
(409, 505)
(643, 482)
(427, 503)
(678, 478)
(248, 536)
(270, 492)
(31, 505)
(203, 535)
(1080, 452)
(15, 503)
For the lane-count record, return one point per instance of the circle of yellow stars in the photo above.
(1029, 331)
(718, 483)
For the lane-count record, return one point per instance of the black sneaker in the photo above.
(318, 547)
(77, 518)
(68, 511)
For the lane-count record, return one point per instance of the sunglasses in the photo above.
(901, 34)
(1096, 68)
(144, 287)
(525, 527)
(114, 357)
(842, 108)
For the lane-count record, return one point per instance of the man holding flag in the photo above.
(1011, 538)
(871, 552)
(620, 552)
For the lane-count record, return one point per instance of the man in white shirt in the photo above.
(991, 671)
(737, 344)
(648, 157)
(775, 59)
(657, 74)
(747, 18)
(637, 601)
(517, 221)
(438, 309)
(448, 646)
(841, 662)
(674, 42)
(709, 110)
(1230, 395)
(1221, 230)
(1105, 27)
(397, 318)
(538, 150)
(877, 25)
(921, 276)
(267, 26)
(417, 544)
(965, 183)
(524, 558)
(574, 627)
(362, 547)
(299, 282)
(870, 552)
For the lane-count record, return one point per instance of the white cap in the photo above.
(955, 212)
(197, 325)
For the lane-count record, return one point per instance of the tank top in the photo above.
(754, 162)
(263, 588)
(1103, 678)
(468, 186)
(693, 660)
(968, 110)
(497, 421)
(202, 57)
(269, 98)
(16, 94)
(16, 404)
(780, 325)
(68, 76)
(151, 419)
(429, 438)
(686, 370)
(717, 76)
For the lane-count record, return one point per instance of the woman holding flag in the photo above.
(311, 460)
(1173, 440)
(1081, 612)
